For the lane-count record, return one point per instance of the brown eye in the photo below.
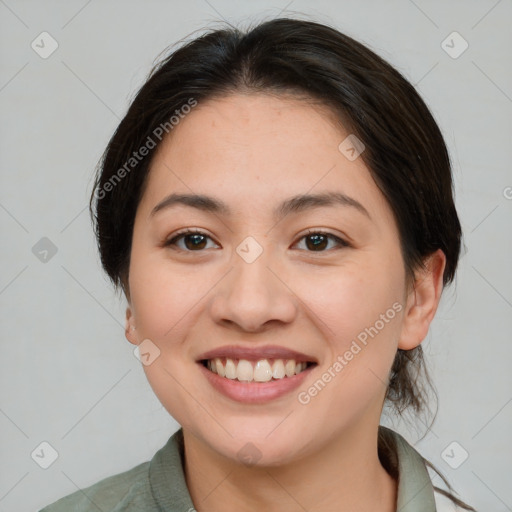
(192, 241)
(318, 241)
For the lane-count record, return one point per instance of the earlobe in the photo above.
(423, 301)
(130, 331)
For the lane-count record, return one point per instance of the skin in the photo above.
(315, 302)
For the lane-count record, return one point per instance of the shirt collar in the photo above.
(415, 490)
(170, 492)
(167, 477)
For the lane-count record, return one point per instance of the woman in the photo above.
(277, 208)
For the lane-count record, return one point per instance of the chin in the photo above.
(258, 447)
(263, 452)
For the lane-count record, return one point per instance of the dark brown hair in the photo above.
(404, 148)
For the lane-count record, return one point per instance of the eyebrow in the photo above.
(294, 204)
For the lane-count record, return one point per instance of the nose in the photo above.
(254, 296)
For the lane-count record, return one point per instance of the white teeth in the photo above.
(220, 367)
(244, 371)
(289, 368)
(230, 369)
(278, 371)
(262, 371)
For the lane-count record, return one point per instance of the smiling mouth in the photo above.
(262, 370)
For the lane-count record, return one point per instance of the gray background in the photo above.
(69, 377)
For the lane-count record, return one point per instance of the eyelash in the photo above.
(172, 241)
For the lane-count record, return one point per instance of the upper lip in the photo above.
(257, 353)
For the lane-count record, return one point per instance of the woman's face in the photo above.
(298, 258)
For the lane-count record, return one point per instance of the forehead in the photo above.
(259, 148)
(256, 126)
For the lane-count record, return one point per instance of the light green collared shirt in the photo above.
(159, 485)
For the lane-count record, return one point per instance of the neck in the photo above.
(345, 475)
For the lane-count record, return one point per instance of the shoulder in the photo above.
(125, 491)
(152, 486)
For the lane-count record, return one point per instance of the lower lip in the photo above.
(254, 392)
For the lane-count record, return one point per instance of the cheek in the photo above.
(166, 301)
(349, 301)
(359, 311)
(164, 295)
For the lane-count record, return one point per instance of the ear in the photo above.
(422, 301)
(130, 329)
